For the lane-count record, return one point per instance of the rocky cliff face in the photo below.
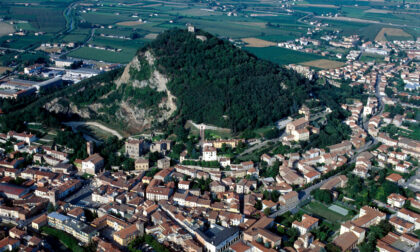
(125, 108)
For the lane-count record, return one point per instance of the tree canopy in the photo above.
(218, 83)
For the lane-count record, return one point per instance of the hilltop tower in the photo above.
(90, 147)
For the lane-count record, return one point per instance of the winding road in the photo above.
(74, 126)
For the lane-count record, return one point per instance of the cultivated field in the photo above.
(255, 42)
(130, 23)
(255, 24)
(151, 36)
(4, 69)
(5, 28)
(377, 11)
(320, 5)
(323, 63)
(261, 24)
(388, 33)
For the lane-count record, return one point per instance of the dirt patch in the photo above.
(255, 42)
(254, 24)
(152, 5)
(6, 29)
(319, 5)
(4, 69)
(151, 36)
(263, 15)
(130, 23)
(349, 19)
(396, 32)
(49, 49)
(377, 11)
(323, 63)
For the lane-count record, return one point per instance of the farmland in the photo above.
(5, 28)
(255, 42)
(102, 55)
(392, 33)
(257, 25)
(323, 63)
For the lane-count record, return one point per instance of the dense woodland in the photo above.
(214, 82)
(217, 83)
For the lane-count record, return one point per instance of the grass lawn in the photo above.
(101, 55)
(319, 209)
(68, 240)
(263, 130)
(282, 56)
(95, 132)
(87, 176)
(105, 18)
(372, 57)
(413, 132)
(216, 134)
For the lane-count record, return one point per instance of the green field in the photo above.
(106, 16)
(319, 209)
(371, 57)
(101, 55)
(282, 56)
(95, 132)
(45, 19)
(68, 240)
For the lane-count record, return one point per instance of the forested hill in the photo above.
(175, 78)
(217, 83)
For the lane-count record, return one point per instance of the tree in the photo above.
(90, 216)
(272, 133)
(267, 211)
(258, 205)
(128, 164)
(293, 234)
(76, 64)
(50, 207)
(331, 247)
(210, 89)
(324, 196)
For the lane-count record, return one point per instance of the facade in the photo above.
(92, 164)
(141, 164)
(297, 124)
(164, 163)
(40, 222)
(396, 200)
(124, 236)
(217, 238)
(306, 225)
(76, 228)
(134, 148)
(209, 153)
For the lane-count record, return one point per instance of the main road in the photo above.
(305, 194)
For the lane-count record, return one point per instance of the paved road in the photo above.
(84, 191)
(280, 125)
(74, 125)
(358, 20)
(409, 105)
(12, 49)
(304, 195)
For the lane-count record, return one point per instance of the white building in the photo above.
(209, 153)
(92, 164)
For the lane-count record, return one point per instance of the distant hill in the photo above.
(181, 76)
